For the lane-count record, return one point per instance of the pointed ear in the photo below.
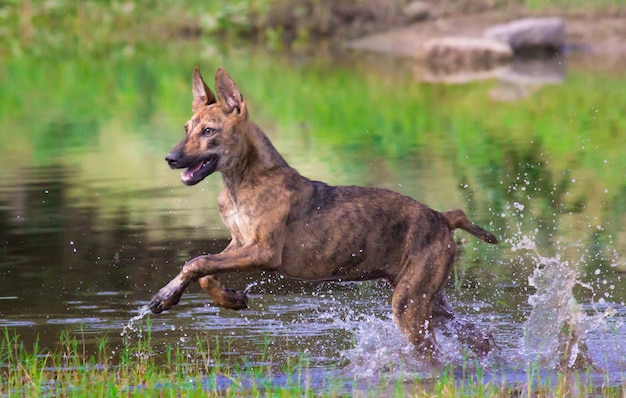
(229, 96)
(202, 94)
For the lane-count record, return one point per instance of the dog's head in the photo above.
(214, 140)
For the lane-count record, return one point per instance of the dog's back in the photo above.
(355, 233)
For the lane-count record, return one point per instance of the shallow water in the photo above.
(92, 225)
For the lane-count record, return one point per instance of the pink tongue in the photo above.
(188, 173)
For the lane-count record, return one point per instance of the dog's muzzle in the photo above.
(172, 159)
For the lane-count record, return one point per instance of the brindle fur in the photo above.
(281, 221)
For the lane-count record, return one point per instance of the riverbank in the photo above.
(594, 31)
(62, 26)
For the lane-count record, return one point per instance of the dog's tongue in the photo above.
(188, 172)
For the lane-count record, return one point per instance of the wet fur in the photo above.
(281, 221)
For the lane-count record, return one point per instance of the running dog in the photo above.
(281, 221)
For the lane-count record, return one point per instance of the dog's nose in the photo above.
(172, 159)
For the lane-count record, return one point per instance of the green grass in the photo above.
(138, 368)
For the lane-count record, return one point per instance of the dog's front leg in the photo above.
(170, 294)
(244, 259)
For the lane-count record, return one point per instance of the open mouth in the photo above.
(196, 173)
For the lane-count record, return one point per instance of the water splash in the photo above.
(130, 326)
(554, 334)
(556, 329)
(380, 348)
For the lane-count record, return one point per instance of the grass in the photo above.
(137, 368)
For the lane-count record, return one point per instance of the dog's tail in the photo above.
(457, 219)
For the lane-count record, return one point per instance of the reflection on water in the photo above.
(88, 234)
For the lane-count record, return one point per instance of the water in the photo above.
(130, 328)
(558, 333)
(560, 341)
(93, 222)
(554, 334)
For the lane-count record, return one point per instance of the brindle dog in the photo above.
(281, 221)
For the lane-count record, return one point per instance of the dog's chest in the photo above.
(236, 220)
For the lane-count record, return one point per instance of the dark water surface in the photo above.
(93, 222)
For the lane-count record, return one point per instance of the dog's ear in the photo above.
(202, 94)
(228, 94)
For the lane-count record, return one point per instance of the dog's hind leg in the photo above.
(223, 296)
(474, 337)
(412, 310)
(418, 300)
(413, 317)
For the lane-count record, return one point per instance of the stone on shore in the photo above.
(530, 34)
(418, 10)
(454, 54)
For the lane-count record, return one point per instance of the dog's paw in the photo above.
(165, 299)
(158, 305)
(233, 300)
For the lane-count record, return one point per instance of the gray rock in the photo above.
(530, 34)
(451, 55)
(417, 10)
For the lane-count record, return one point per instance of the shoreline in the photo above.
(584, 33)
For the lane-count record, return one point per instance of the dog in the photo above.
(281, 221)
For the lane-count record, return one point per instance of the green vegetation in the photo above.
(569, 5)
(203, 370)
(351, 110)
(97, 26)
(139, 369)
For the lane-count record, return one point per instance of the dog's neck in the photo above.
(258, 156)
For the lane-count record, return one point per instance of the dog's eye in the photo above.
(208, 131)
